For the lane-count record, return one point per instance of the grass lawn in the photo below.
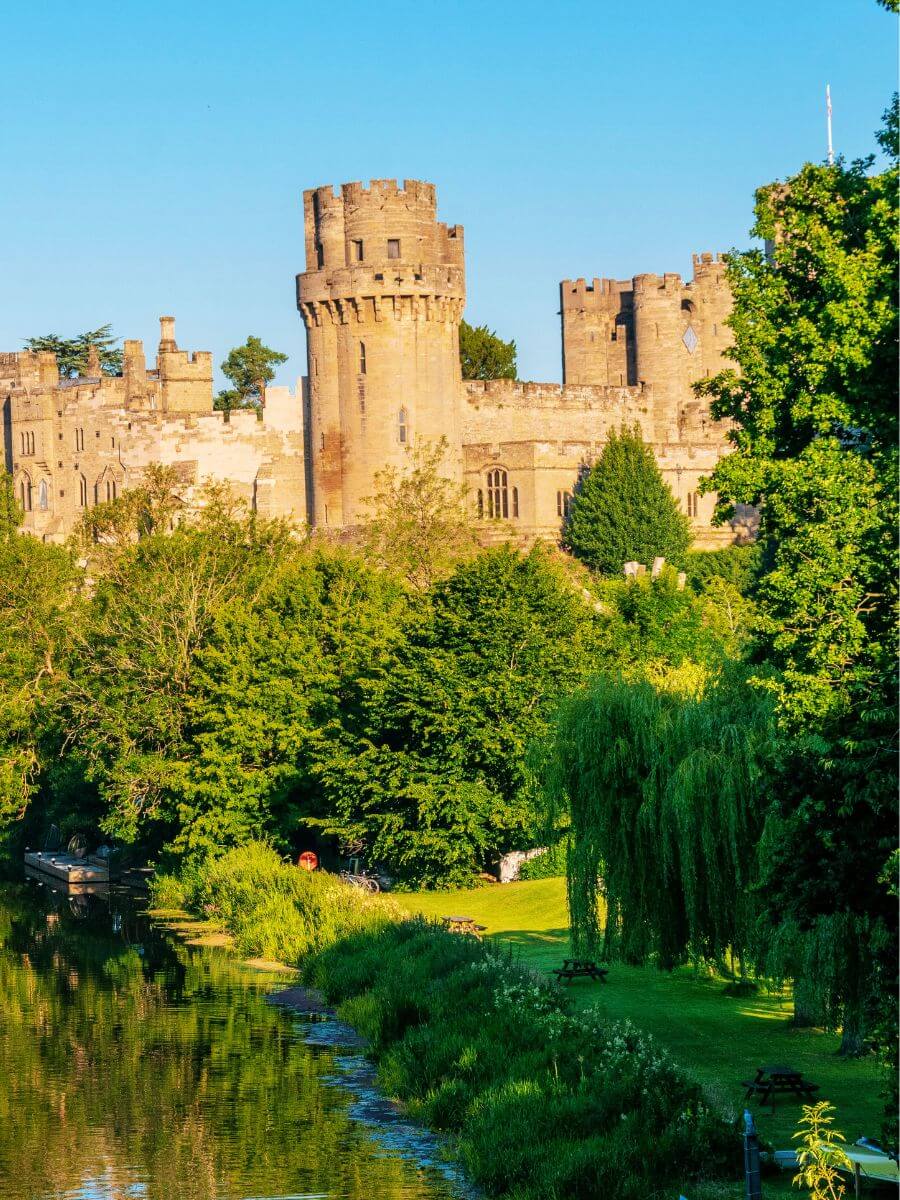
(719, 1039)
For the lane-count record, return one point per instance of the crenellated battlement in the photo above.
(558, 396)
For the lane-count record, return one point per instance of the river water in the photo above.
(135, 1067)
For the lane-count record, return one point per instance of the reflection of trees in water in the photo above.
(162, 1063)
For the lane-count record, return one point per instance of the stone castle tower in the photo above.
(382, 297)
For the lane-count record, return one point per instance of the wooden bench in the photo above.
(778, 1081)
(464, 925)
(580, 968)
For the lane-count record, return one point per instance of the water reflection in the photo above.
(132, 1065)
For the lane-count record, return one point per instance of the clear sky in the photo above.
(154, 154)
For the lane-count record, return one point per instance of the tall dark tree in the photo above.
(484, 355)
(623, 511)
(73, 354)
(249, 368)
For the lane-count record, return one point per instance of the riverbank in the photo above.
(538, 1099)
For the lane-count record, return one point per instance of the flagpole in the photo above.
(828, 115)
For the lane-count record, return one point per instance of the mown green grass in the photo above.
(718, 1039)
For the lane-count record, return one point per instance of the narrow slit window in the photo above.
(362, 358)
(357, 250)
(402, 427)
(82, 492)
(515, 502)
(25, 493)
(320, 255)
(393, 248)
(43, 496)
(480, 504)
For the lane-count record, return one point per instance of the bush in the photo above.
(542, 1103)
(273, 909)
(549, 864)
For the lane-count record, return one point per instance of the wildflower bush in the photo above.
(273, 909)
(541, 1102)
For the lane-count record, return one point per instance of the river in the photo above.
(136, 1067)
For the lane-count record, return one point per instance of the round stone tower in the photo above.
(381, 298)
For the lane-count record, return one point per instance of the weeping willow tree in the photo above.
(661, 793)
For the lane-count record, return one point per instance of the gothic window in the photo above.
(82, 492)
(25, 493)
(28, 442)
(563, 504)
(43, 496)
(480, 504)
(393, 248)
(362, 358)
(515, 502)
(497, 493)
(79, 439)
(357, 250)
(402, 426)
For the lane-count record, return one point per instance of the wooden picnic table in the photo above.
(580, 968)
(466, 925)
(778, 1081)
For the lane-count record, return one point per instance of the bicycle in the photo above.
(363, 880)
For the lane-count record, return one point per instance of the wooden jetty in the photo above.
(68, 867)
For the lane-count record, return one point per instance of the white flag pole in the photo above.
(828, 115)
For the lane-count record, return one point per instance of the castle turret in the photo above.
(381, 298)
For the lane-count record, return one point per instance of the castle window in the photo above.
(480, 504)
(498, 493)
(402, 426)
(79, 439)
(82, 492)
(28, 442)
(322, 440)
(357, 250)
(43, 496)
(563, 504)
(25, 493)
(693, 504)
(715, 330)
(393, 247)
(320, 255)
(362, 358)
(515, 502)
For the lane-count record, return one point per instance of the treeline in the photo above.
(189, 685)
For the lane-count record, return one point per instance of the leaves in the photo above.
(249, 367)
(73, 354)
(483, 355)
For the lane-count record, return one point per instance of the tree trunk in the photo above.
(807, 1010)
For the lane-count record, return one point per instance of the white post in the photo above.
(828, 115)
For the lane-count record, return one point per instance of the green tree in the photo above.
(420, 524)
(622, 510)
(72, 353)
(249, 368)
(483, 355)
(430, 774)
(38, 610)
(815, 438)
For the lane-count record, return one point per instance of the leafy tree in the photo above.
(249, 367)
(815, 439)
(72, 353)
(622, 510)
(11, 513)
(149, 507)
(662, 789)
(420, 525)
(483, 355)
(430, 775)
(38, 606)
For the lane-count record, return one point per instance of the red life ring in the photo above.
(308, 861)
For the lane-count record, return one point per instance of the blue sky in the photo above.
(154, 153)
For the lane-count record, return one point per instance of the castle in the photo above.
(381, 298)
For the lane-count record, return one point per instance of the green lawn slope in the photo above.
(719, 1039)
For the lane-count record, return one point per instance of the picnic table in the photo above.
(466, 925)
(580, 968)
(770, 1082)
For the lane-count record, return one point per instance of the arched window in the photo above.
(563, 504)
(27, 442)
(402, 426)
(43, 496)
(109, 490)
(480, 504)
(362, 358)
(515, 502)
(79, 439)
(498, 493)
(82, 492)
(25, 493)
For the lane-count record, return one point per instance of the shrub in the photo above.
(542, 1103)
(276, 910)
(549, 864)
